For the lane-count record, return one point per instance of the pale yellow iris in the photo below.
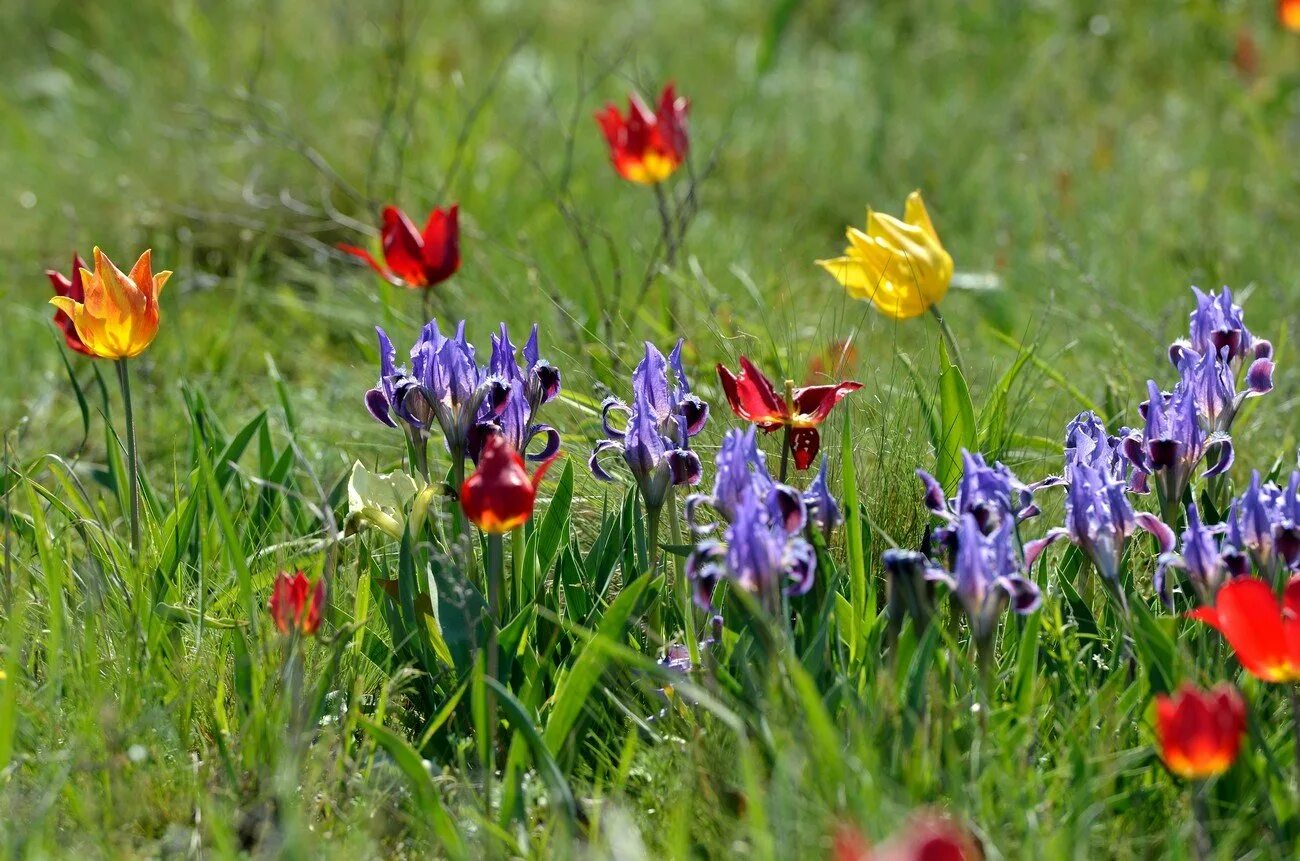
(900, 267)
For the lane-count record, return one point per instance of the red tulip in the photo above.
(1288, 12)
(1199, 732)
(1264, 634)
(296, 604)
(753, 398)
(415, 259)
(73, 289)
(647, 146)
(499, 495)
(925, 837)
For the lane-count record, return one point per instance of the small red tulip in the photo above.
(499, 495)
(413, 258)
(647, 146)
(753, 398)
(296, 604)
(1264, 633)
(1288, 13)
(1199, 732)
(925, 837)
(73, 289)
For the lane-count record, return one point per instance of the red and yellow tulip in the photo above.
(1199, 732)
(499, 495)
(118, 317)
(647, 146)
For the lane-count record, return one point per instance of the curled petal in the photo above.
(611, 405)
(786, 505)
(696, 412)
(551, 447)
(1132, 448)
(1259, 378)
(1263, 349)
(1024, 594)
(1035, 548)
(813, 403)
(377, 404)
(1224, 445)
(934, 498)
(801, 566)
(693, 503)
(593, 462)
(545, 380)
(1154, 525)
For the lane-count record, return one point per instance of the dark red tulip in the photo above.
(753, 398)
(296, 604)
(413, 258)
(73, 289)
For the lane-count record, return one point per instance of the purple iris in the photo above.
(742, 471)
(1217, 325)
(761, 553)
(656, 440)
(1173, 442)
(991, 495)
(444, 385)
(1098, 520)
(1264, 522)
(909, 588)
(986, 576)
(531, 387)
(1213, 385)
(1206, 565)
(823, 510)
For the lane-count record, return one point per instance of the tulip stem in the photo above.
(948, 338)
(132, 463)
(1295, 726)
(785, 453)
(495, 576)
(670, 243)
(1201, 845)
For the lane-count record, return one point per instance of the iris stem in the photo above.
(679, 581)
(495, 576)
(653, 516)
(948, 337)
(132, 462)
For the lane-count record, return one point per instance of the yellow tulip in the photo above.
(901, 267)
(119, 316)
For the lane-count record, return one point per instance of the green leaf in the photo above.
(957, 414)
(520, 722)
(426, 791)
(863, 604)
(1051, 373)
(553, 532)
(993, 417)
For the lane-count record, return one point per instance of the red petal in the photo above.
(804, 445)
(813, 403)
(403, 247)
(1251, 620)
(365, 255)
(442, 245)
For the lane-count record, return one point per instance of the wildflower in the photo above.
(1216, 325)
(296, 603)
(823, 510)
(70, 287)
(1264, 634)
(752, 397)
(656, 440)
(986, 576)
(901, 267)
(1213, 386)
(909, 588)
(1099, 520)
(499, 495)
(531, 387)
(741, 471)
(1199, 732)
(1173, 443)
(118, 318)
(926, 836)
(382, 500)
(761, 553)
(1288, 14)
(991, 494)
(1206, 566)
(1265, 522)
(414, 258)
(647, 146)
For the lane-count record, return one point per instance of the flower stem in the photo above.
(653, 516)
(785, 453)
(948, 338)
(132, 458)
(679, 580)
(495, 578)
(1295, 734)
(666, 219)
(1201, 846)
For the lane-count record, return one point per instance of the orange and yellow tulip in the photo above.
(900, 267)
(119, 316)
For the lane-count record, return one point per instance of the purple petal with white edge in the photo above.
(1263, 349)
(934, 498)
(531, 352)
(685, 466)
(801, 566)
(551, 446)
(1157, 527)
(1226, 455)
(689, 512)
(611, 405)
(1034, 548)
(682, 387)
(1260, 376)
(696, 413)
(593, 462)
(1132, 448)
(1161, 579)
(1024, 593)
(377, 404)
(650, 384)
(786, 506)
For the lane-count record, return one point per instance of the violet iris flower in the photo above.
(1264, 522)
(990, 494)
(823, 510)
(1218, 325)
(909, 588)
(1173, 443)
(1206, 565)
(531, 388)
(761, 553)
(656, 441)
(741, 470)
(1099, 520)
(1214, 386)
(986, 576)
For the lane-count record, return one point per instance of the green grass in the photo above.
(1097, 161)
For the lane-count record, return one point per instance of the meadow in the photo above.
(802, 664)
